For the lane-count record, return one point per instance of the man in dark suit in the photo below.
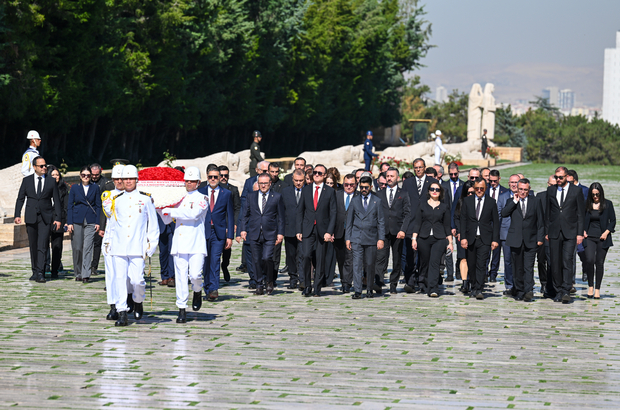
(450, 187)
(479, 234)
(219, 230)
(415, 187)
(234, 191)
(40, 214)
(564, 228)
(262, 225)
(291, 196)
(344, 256)
(494, 191)
(542, 254)
(316, 221)
(397, 213)
(300, 163)
(504, 226)
(525, 235)
(364, 233)
(277, 185)
(573, 178)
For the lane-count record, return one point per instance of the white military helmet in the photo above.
(117, 171)
(33, 135)
(438, 133)
(432, 135)
(130, 171)
(192, 174)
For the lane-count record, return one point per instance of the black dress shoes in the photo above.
(409, 289)
(392, 289)
(85, 280)
(566, 299)
(226, 275)
(369, 295)
(508, 292)
(356, 295)
(113, 315)
(573, 290)
(479, 296)
(40, 278)
(241, 268)
(138, 311)
(528, 297)
(196, 302)
(493, 279)
(33, 277)
(122, 319)
(130, 304)
(259, 291)
(450, 279)
(518, 297)
(307, 292)
(270, 288)
(292, 285)
(346, 289)
(182, 318)
(558, 298)
(252, 286)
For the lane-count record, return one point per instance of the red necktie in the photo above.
(316, 199)
(212, 204)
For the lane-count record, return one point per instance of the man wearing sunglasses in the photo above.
(451, 186)
(234, 191)
(564, 227)
(40, 214)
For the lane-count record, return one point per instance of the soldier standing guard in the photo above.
(255, 156)
(368, 154)
(31, 153)
(134, 238)
(189, 245)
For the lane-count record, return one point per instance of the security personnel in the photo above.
(189, 245)
(106, 201)
(255, 156)
(31, 153)
(134, 238)
(368, 154)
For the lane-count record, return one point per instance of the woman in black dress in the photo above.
(431, 236)
(466, 190)
(599, 223)
(56, 236)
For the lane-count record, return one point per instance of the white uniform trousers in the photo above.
(110, 286)
(185, 263)
(132, 268)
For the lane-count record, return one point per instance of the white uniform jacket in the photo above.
(136, 231)
(106, 201)
(189, 232)
(29, 155)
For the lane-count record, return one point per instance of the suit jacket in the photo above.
(569, 218)
(288, 179)
(398, 217)
(248, 187)
(234, 191)
(82, 206)
(325, 214)
(222, 215)
(270, 221)
(504, 221)
(39, 203)
(437, 220)
(501, 190)
(608, 221)
(365, 227)
(290, 211)
(341, 213)
(447, 186)
(488, 223)
(278, 186)
(411, 187)
(528, 229)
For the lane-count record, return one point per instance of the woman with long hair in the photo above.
(599, 223)
(56, 235)
(466, 190)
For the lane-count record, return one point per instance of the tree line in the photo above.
(101, 79)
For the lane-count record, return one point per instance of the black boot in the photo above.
(138, 311)
(182, 315)
(468, 287)
(122, 319)
(113, 315)
(196, 303)
(40, 278)
(130, 304)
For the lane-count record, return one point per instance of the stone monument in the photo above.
(488, 115)
(474, 114)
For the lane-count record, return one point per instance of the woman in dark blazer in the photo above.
(599, 223)
(83, 212)
(431, 236)
(461, 256)
(56, 235)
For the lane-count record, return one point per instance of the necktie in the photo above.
(365, 203)
(212, 204)
(39, 185)
(419, 187)
(391, 196)
(454, 190)
(494, 193)
(561, 197)
(264, 203)
(316, 197)
(346, 203)
(523, 207)
(297, 195)
(478, 208)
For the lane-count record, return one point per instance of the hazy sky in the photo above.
(468, 34)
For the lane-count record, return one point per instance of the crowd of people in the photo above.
(434, 230)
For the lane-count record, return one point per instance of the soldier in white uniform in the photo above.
(189, 246)
(134, 238)
(31, 153)
(439, 148)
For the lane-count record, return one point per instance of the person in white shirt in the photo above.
(134, 238)
(439, 148)
(31, 153)
(189, 245)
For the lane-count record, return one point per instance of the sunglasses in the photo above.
(596, 194)
(41, 166)
(472, 178)
(224, 176)
(470, 193)
(455, 174)
(319, 173)
(480, 189)
(493, 180)
(364, 187)
(212, 177)
(559, 176)
(85, 175)
(434, 189)
(349, 185)
(419, 168)
(382, 183)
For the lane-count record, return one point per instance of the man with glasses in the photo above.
(316, 221)
(564, 228)
(219, 230)
(503, 234)
(479, 234)
(276, 186)
(451, 186)
(104, 184)
(344, 257)
(542, 255)
(291, 196)
(234, 191)
(38, 191)
(31, 153)
(300, 163)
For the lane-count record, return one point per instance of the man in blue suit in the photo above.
(219, 230)
(573, 178)
(504, 226)
(368, 154)
(262, 225)
(494, 191)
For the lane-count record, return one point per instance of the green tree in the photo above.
(450, 117)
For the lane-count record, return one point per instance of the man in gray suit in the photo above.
(365, 230)
(504, 222)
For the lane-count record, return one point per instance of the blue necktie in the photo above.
(365, 203)
(346, 203)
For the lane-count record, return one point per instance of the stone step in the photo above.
(13, 236)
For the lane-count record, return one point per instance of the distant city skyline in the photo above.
(611, 84)
(521, 47)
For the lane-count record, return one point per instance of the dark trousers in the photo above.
(523, 260)
(211, 268)
(367, 162)
(430, 250)
(508, 282)
(249, 263)
(544, 267)
(477, 262)
(364, 259)
(56, 238)
(226, 257)
(293, 257)
(383, 257)
(38, 240)
(277, 257)
(262, 256)
(330, 265)
(97, 240)
(494, 256)
(344, 258)
(166, 262)
(595, 257)
(449, 263)
(562, 251)
(316, 244)
(411, 271)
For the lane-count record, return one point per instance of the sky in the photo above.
(521, 46)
